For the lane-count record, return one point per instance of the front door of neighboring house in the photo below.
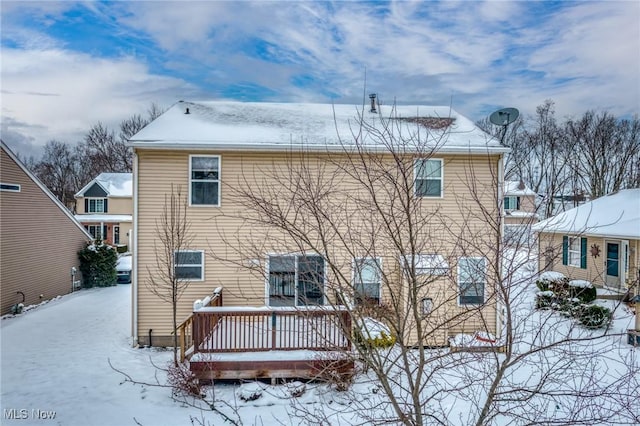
(613, 264)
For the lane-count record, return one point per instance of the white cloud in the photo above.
(59, 94)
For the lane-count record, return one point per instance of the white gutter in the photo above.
(286, 147)
(499, 306)
(134, 264)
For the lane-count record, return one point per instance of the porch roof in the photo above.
(616, 215)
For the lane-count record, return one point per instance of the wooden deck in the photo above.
(266, 342)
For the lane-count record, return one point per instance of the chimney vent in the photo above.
(373, 102)
(187, 111)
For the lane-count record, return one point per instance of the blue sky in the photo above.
(66, 65)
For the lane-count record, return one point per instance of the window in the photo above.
(296, 280)
(574, 251)
(116, 234)
(471, 280)
(96, 231)
(189, 264)
(96, 205)
(428, 175)
(511, 203)
(10, 187)
(426, 264)
(367, 278)
(204, 180)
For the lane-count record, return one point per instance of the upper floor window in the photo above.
(428, 177)
(511, 203)
(471, 280)
(10, 187)
(204, 180)
(367, 280)
(96, 205)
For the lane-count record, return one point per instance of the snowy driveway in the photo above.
(55, 359)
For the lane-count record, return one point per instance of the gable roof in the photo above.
(114, 184)
(44, 189)
(512, 187)
(320, 127)
(614, 215)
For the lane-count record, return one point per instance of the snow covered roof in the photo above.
(114, 184)
(614, 215)
(512, 187)
(107, 218)
(324, 127)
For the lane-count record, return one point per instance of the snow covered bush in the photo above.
(550, 280)
(544, 299)
(98, 265)
(594, 316)
(374, 335)
(182, 379)
(583, 290)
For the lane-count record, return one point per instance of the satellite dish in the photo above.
(504, 116)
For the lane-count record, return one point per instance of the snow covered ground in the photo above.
(55, 364)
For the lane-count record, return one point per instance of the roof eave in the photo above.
(271, 147)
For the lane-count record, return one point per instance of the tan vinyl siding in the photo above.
(38, 242)
(116, 205)
(219, 233)
(596, 266)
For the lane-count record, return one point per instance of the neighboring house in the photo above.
(598, 241)
(39, 238)
(520, 212)
(105, 206)
(211, 150)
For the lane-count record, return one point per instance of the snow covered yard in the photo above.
(55, 358)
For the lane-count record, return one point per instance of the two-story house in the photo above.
(31, 215)
(297, 206)
(105, 206)
(520, 212)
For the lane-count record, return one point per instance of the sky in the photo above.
(66, 65)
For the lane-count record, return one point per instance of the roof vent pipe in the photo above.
(187, 111)
(373, 102)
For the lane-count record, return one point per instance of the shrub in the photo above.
(544, 299)
(122, 249)
(594, 316)
(552, 281)
(98, 265)
(582, 290)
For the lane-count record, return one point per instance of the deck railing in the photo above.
(186, 327)
(227, 329)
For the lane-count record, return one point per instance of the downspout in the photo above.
(134, 263)
(499, 307)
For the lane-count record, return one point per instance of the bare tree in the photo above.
(56, 171)
(173, 235)
(359, 208)
(608, 150)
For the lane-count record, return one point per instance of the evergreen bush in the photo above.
(594, 316)
(98, 265)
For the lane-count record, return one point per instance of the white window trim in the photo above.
(191, 156)
(415, 177)
(97, 235)
(353, 275)
(113, 230)
(295, 255)
(16, 187)
(570, 240)
(96, 199)
(513, 198)
(190, 264)
(484, 286)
